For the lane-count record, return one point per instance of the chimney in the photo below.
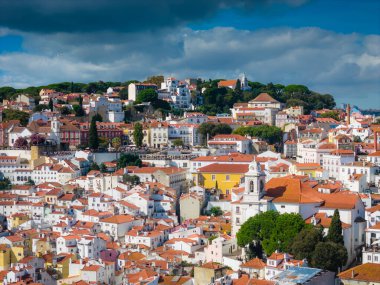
(352, 274)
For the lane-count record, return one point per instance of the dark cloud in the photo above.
(50, 16)
(345, 65)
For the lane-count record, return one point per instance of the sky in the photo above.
(331, 46)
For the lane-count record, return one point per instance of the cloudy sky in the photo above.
(332, 46)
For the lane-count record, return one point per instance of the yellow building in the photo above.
(128, 132)
(313, 170)
(17, 219)
(59, 263)
(43, 246)
(17, 253)
(5, 256)
(220, 176)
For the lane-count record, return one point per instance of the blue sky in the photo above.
(340, 16)
(331, 46)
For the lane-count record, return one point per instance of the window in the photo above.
(213, 177)
(227, 177)
(282, 206)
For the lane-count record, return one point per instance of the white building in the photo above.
(310, 151)
(90, 247)
(176, 92)
(251, 202)
(333, 160)
(188, 133)
(231, 143)
(118, 225)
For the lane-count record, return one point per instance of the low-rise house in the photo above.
(190, 206)
(151, 239)
(230, 143)
(118, 225)
(366, 274)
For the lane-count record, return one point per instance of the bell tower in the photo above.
(254, 179)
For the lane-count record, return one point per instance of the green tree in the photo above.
(161, 104)
(65, 111)
(133, 179)
(238, 86)
(116, 143)
(178, 142)
(30, 182)
(155, 79)
(221, 129)
(216, 211)
(40, 108)
(128, 159)
(305, 241)
(287, 227)
(103, 142)
(270, 134)
(147, 95)
(329, 256)
(93, 138)
(335, 233)
(94, 166)
(123, 93)
(7, 92)
(214, 129)
(331, 114)
(51, 105)
(138, 134)
(97, 118)
(10, 114)
(78, 110)
(103, 168)
(5, 184)
(257, 228)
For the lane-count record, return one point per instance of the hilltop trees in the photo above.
(147, 95)
(270, 134)
(10, 114)
(214, 129)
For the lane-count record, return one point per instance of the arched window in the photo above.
(251, 187)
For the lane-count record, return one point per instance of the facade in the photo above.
(251, 201)
(220, 176)
(135, 88)
(231, 143)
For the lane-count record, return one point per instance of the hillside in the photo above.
(216, 100)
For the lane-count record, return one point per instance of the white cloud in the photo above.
(345, 65)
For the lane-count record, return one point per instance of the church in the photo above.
(251, 200)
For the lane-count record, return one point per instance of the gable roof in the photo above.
(369, 272)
